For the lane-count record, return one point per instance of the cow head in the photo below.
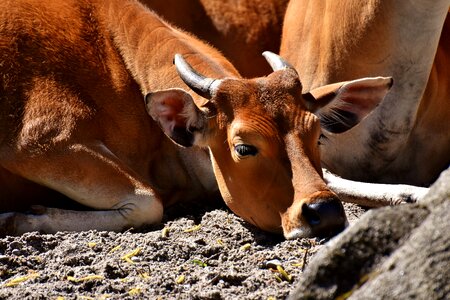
(263, 135)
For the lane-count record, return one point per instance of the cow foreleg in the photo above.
(51, 220)
(373, 194)
(94, 177)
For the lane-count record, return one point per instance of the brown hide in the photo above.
(242, 30)
(434, 110)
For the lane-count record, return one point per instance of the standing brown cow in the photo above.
(407, 138)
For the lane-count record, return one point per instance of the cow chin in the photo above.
(265, 219)
(321, 215)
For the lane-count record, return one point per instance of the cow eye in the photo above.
(245, 150)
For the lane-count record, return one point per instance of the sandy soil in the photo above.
(197, 253)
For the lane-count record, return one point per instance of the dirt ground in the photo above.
(197, 253)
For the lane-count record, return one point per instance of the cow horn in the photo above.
(276, 62)
(200, 84)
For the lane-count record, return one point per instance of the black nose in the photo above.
(325, 216)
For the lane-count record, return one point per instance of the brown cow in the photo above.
(240, 29)
(407, 138)
(73, 120)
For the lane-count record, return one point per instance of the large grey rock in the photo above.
(398, 252)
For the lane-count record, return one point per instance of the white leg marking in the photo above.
(373, 194)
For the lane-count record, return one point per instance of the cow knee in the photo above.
(144, 210)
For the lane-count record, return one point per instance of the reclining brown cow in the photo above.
(73, 120)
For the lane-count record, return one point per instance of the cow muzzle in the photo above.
(320, 215)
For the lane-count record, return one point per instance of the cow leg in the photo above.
(373, 194)
(94, 177)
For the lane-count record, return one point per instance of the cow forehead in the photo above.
(250, 124)
(269, 125)
(264, 109)
(277, 96)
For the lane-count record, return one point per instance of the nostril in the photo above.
(325, 216)
(311, 214)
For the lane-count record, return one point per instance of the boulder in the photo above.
(400, 252)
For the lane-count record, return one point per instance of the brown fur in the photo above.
(73, 119)
(242, 30)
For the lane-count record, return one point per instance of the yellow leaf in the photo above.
(284, 273)
(134, 291)
(18, 280)
(115, 249)
(199, 262)
(246, 247)
(127, 257)
(86, 278)
(300, 264)
(180, 279)
(194, 228)
(165, 232)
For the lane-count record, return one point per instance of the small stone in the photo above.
(135, 259)
(272, 264)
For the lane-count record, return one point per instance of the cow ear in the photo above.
(340, 106)
(177, 115)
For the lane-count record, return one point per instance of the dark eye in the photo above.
(245, 150)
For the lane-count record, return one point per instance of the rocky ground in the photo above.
(399, 252)
(197, 253)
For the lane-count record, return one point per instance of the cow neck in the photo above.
(181, 174)
(148, 45)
